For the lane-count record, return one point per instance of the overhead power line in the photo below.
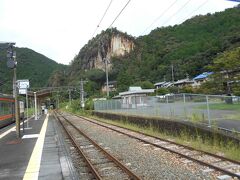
(119, 13)
(176, 12)
(102, 18)
(201, 5)
(166, 10)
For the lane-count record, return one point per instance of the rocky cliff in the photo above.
(106, 45)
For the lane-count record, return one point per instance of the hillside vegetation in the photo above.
(189, 47)
(30, 65)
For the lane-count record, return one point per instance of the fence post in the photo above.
(184, 105)
(208, 112)
(168, 107)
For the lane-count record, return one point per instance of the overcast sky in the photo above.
(60, 28)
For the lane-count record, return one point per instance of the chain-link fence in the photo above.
(212, 110)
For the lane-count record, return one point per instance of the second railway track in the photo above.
(101, 164)
(212, 161)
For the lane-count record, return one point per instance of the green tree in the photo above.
(162, 91)
(227, 69)
(145, 84)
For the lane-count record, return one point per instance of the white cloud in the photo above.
(59, 28)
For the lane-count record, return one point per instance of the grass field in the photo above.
(221, 106)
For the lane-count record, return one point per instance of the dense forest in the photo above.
(190, 47)
(30, 65)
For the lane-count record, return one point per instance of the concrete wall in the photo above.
(175, 127)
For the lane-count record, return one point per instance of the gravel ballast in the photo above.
(145, 160)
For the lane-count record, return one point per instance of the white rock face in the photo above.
(119, 46)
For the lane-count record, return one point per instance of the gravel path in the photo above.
(145, 160)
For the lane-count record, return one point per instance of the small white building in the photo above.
(135, 97)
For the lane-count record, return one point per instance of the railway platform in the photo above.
(40, 153)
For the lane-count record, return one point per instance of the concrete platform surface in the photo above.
(40, 153)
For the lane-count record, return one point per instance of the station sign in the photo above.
(22, 91)
(23, 84)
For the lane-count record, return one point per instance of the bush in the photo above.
(89, 104)
(162, 91)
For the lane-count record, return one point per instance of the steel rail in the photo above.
(172, 142)
(116, 161)
(89, 164)
(167, 149)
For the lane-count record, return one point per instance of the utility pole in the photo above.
(12, 63)
(106, 68)
(69, 96)
(81, 94)
(15, 95)
(172, 74)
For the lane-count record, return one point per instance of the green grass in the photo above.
(221, 106)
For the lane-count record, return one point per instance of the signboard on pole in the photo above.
(22, 91)
(23, 84)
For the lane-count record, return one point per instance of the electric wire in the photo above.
(201, 5)
(102, 17)
(166, 10)
(180, 9)
(119, 14)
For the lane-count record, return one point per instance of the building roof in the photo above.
(136, 90)
(167, 84)
(159, 83)
(203, 75)
(110, 83)
(183, 81)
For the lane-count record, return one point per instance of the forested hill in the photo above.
(189, 47)
(30, 65)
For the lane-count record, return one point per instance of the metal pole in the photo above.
(35, 102)
(106, 66)
(15, 94)
(172, 74)
(57, 100)
(27, 105)
(184, 101)
(69, 95)
(82, 94)
(208, 112)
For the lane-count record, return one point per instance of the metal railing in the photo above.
(212, 110)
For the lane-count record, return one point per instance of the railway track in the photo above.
(212, 161)
(100, 163)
